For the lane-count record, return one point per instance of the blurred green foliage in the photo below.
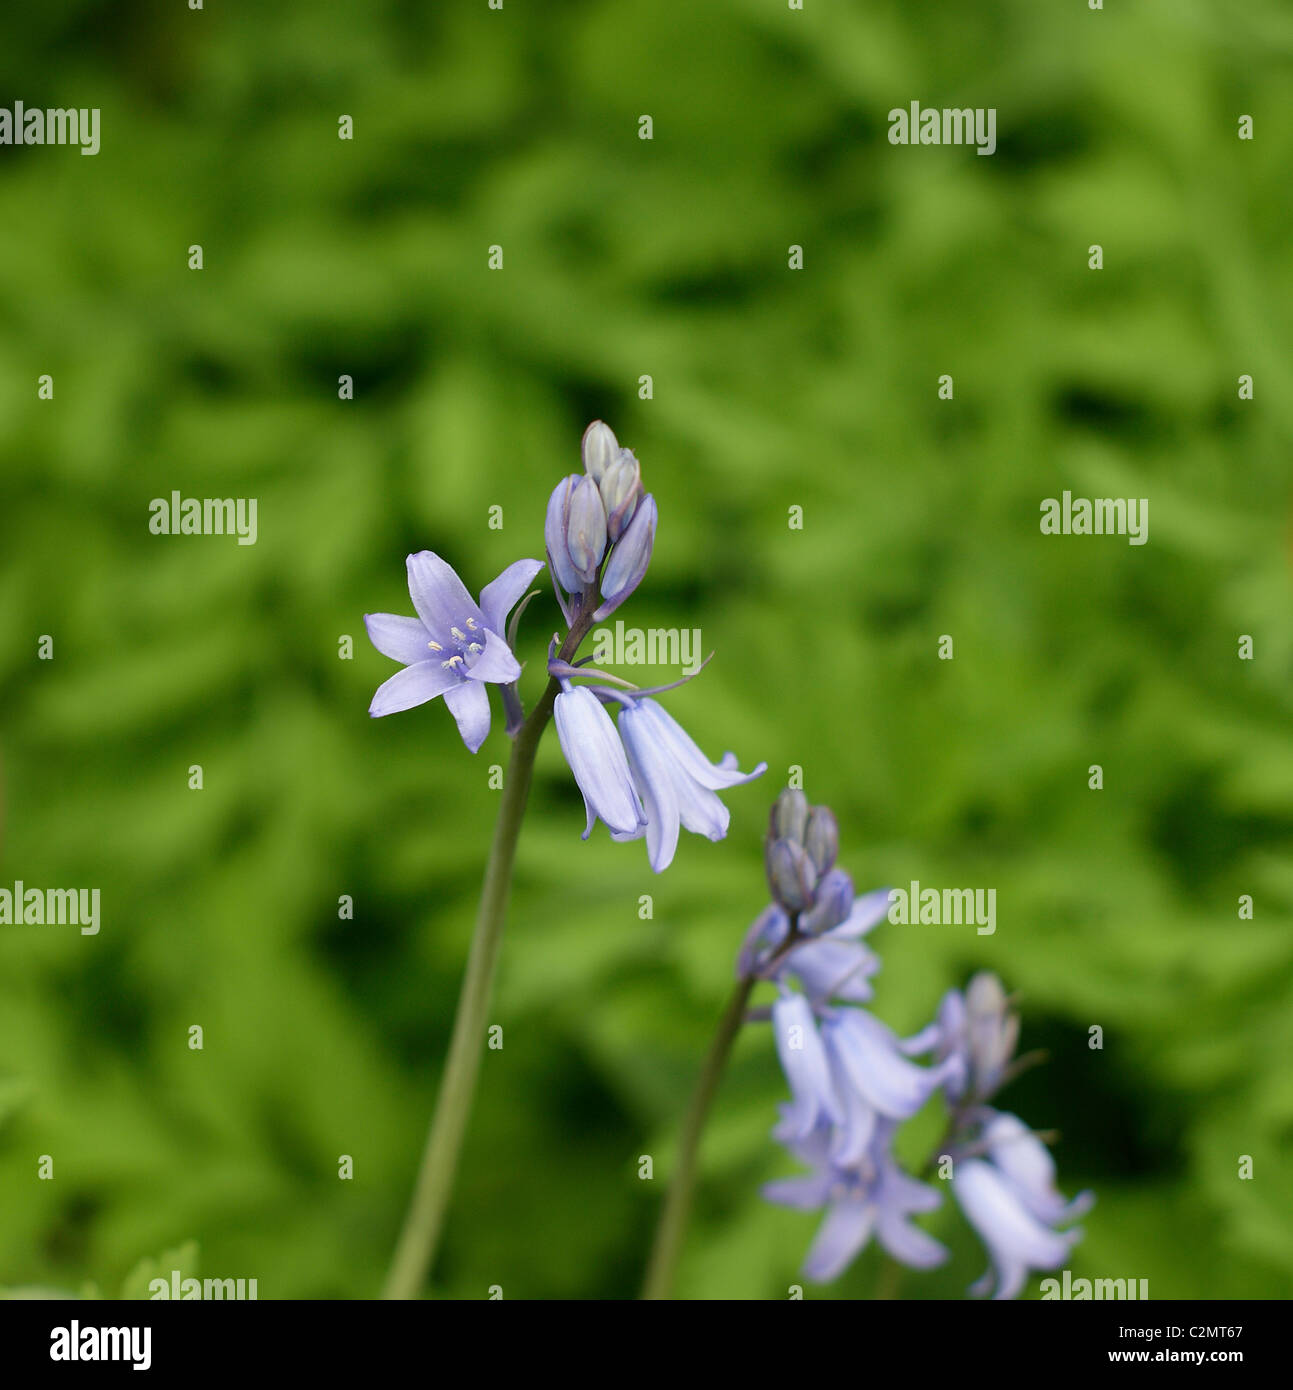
(772, 388)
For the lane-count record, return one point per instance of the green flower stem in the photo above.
(417, 1244)
(677, 1203)
(422, 1225)
(889, 1280)
(672, 1227)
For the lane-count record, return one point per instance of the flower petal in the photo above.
(438, 595)
(868, 1053)
(766, 931)
(596, 757)
(806, 1193)
(653, 774)
(469, 704)
(807, 1069)
(840, 1238)
(853, 1135)
(1027, 1165)
(832, 900)
(414, 685)
(495, 663)
(897, 1197)
(915, 1248)
(501, 595)
(700, 809)
(868, 911)
(629, 559)
(714, 776)
(554, 535)
(402, 639)
(1015, 1239)
(926, 1040)
(902, 1190)
(833, 970)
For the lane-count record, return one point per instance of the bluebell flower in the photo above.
(831, 968)
(596, 757)
(649, 779)
(850, 1079)
(869, 1196)
(454, 647)
(1011, 1200)
(978, 1026)
(875, 1079)
(833, 965)
(807, 1067)
(677, 783)
(852, 1084)
(850, 1087)
(1027, 1164)
(844, 1067)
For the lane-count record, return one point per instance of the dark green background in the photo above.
(773, 388)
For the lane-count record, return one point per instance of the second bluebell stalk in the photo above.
(853, 1085)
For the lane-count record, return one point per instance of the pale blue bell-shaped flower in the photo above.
(596, 757)
(454, 647)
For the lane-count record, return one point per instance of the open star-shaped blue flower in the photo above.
(454, 647)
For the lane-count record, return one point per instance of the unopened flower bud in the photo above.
(832, 902)
(791, 875)
(992, 1031)
(789, 816)
(586, 529)
(629, 559)
(554, 535)
(599, 448)
(985, 995)
(822, 838)
(621, 486)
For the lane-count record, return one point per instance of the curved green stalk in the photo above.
(669, 1234)
(418, 1239)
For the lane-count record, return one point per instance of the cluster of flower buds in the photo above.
(600, 528)
(799, 854)
(979, 1025)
